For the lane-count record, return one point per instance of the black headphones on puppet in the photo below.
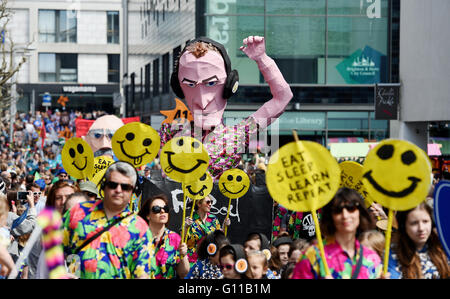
(232, 81)
(102, 181)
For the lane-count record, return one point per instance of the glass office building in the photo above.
(331, 52)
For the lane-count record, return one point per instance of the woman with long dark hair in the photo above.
(416, 250)
(344, 218)
(170, 251)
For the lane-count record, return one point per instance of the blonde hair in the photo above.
(259, 254)
(374, 240)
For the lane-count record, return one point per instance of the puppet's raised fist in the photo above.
(254, 47)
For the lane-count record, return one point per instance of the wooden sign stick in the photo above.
(387, 243)
(192, 214)
(184, 216)
(317, 227)
(228, 214)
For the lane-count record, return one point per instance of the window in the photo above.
(165, 73)
(58, 67)
(312, 41)
(113, 68)
(112, 27)
(147, 81)
(155, 77)
(57, 26)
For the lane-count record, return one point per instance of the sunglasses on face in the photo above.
(158, 209)
(208, 202)
(89, 194)
(350, 207)
(113, 185)
(37, 193)
(100, 133)
(226, 266)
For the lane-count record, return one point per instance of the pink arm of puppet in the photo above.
(255, 49)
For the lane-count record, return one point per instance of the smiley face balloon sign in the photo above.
(397, 174)
(200, 188)
(184, 159)
(234, 183)
(77, 158)
(136, 143)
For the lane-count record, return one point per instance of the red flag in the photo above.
(43, 134)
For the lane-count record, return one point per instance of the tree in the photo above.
(7, 48)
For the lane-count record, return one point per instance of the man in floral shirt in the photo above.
(123, 251)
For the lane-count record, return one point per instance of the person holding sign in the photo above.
(170, 253)
(417, 252)
(344, 218)
(202, 223)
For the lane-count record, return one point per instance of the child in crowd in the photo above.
(257, 265)
(296, 248)
(374, 240)
(260, 242)
(232, 261)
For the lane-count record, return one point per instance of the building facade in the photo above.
(76, 49)
(332, 53)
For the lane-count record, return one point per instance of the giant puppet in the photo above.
(204, 78)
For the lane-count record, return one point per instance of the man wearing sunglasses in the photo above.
(121, 251)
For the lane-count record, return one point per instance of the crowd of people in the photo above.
(105, 238)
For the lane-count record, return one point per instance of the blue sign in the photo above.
(47, 99)
(361, 67)
(441, 213)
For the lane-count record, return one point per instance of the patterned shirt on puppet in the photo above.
(124, 251)
(197, 231)
(203, 269)
(310, 265)
(224, 144)
(166, 255)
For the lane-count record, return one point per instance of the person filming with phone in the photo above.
(20, 224)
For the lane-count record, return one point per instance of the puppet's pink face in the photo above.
(202, 81)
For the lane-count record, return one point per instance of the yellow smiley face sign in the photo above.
(234, 183)
(77, 158)
(351, 177)
(303, 176)
(136, 143)
(184, 159)
(200, 188)
(397, 174)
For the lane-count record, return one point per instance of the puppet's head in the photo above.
(203, 76)
(100, 134)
